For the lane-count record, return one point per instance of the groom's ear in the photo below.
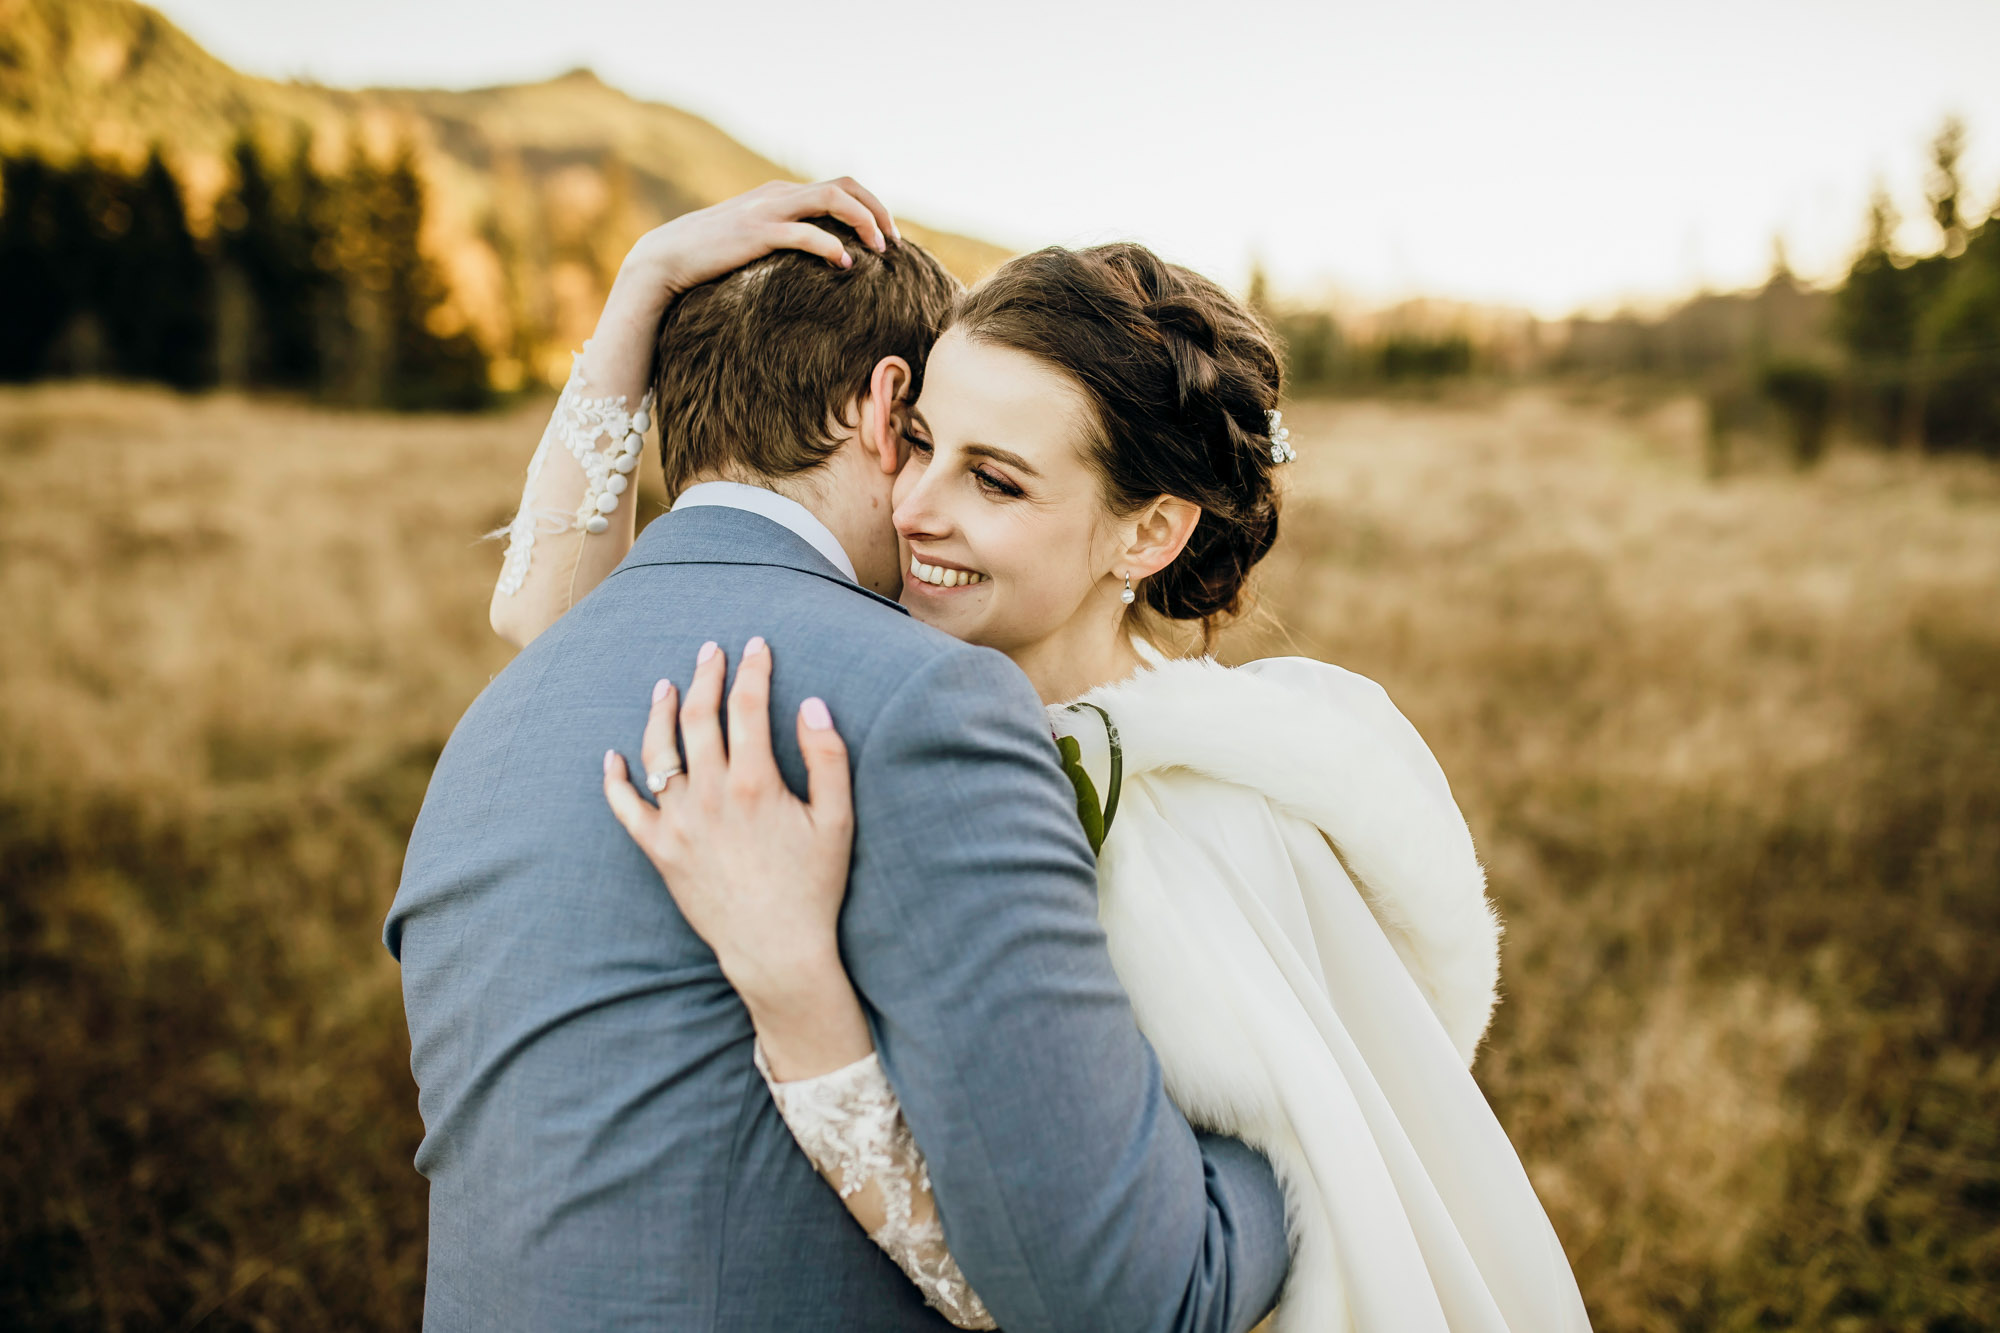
(885, 411)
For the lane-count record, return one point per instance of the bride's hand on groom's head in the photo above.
(703, 245)
(757, 873)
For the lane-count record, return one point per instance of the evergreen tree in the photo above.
(1876, 320)
(160, 312)
(1929, 278)
(102, 273)
(1312, 348)
(1962, 332)
(315, 202)
(98, 196)
(353, 335)
(1923, 335)
(1945, 186)
(302, 286)
(267, 235)
(324, 283)
(1872, 309)
(433, 364)
(1781, 265)
(38, 220)
(240, 351)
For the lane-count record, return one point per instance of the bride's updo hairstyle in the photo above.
(1182, 377)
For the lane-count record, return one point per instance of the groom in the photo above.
(601, 1152)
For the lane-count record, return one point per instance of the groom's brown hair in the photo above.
(753, 371)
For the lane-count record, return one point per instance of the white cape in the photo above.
(1329, 1025)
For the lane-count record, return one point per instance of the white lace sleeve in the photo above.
(851, 1127)
(578, 424)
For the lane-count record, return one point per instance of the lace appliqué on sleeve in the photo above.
(579, 423)
(527, 522)
(852, 1129)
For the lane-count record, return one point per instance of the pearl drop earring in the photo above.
(1128, 596)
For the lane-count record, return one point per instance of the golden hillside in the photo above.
(536, 189)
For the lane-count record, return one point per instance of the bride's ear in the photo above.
(885, 410)
(1161, 534)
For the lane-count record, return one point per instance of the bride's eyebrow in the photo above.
(998, 455)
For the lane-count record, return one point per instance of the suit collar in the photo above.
(716, 535)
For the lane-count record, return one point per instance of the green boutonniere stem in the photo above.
(1089, 811)
(1095, 815)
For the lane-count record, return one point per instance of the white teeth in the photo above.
(939, 577)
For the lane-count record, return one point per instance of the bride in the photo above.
(1289, 892)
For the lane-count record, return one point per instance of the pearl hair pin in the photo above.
(1281, 438)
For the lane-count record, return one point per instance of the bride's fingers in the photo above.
(751, 765)
(813, 240)
(883, 217)
(660, 750)
(627, 806)
(838, 199)
(701, 727)
(829, 788)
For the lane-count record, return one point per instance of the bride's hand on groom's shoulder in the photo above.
(703, 245)
(757, 873)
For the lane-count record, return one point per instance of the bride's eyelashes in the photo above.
(989, 481)
(995, 484)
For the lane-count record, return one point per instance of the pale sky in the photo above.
(1543, 153)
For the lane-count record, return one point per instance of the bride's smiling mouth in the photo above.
(943, 576)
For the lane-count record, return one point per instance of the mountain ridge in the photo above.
(535, 189)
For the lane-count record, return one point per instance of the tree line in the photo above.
(1902, 351)
(1320, 357)
(1921, 332)
(309, 280)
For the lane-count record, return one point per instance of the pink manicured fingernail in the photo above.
(660, 690)
(708, 650)
(754, 647)
(611, 761)
(815, 714)
(846, 259)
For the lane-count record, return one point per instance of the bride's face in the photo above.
(1005, 538)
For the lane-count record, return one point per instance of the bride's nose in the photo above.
(917, 516)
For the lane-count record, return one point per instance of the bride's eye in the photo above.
(994, 484)
(919, 446)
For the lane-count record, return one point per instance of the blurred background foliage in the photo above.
(1903, 352)
(409, 249)
(307, 282)
(383, 247)
(1731, 751)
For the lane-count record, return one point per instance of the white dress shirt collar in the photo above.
(785, 512)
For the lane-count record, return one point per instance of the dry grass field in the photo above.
(1732, 754)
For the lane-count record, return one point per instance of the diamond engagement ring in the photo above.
(657, 779)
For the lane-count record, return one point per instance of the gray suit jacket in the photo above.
(602, 1153)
